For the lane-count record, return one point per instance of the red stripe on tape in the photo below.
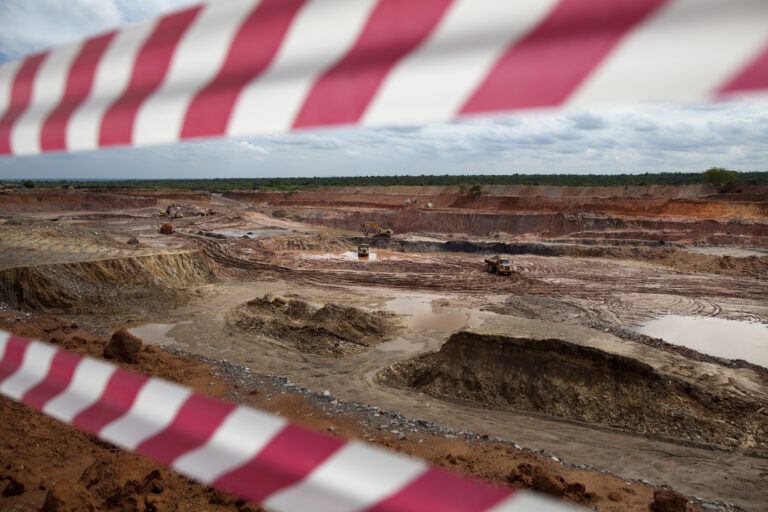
(438, 491)
(253, 48)
(21, 93)
(13, 357)
(79, 82)
(286, 460)
(59, 376)
(194, 424)
(117, 398)
(148, 72)
(394, 29)
(545, 67)
(753, 77)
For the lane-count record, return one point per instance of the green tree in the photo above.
(720, 176)
(28, 184)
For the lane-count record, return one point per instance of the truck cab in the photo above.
(362, 251)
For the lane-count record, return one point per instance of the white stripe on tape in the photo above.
(322, 33)
(85, 388)
(153, 410)
(240, 437)
(113, 75)
(4, 337)
(197, 59)
(436, 80)
(529, 502)
(33, 369)
(48, 88)
(684, 52)
(8, 72)
(354, 478)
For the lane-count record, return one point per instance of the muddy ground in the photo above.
(272, 282)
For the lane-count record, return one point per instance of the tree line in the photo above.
(470, 182)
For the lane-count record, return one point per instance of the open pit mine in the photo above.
(606, 346)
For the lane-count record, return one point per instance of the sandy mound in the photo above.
(567, 380)
(332, 329)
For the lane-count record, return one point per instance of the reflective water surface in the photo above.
(731, 339)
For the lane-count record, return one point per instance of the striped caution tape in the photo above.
(241, 67)
(258, 456)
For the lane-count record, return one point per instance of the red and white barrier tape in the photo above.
(254, 66)
(258, 456)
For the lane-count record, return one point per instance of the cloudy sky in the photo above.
(648, 138)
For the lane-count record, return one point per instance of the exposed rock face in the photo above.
(568, 380)
(124, 347)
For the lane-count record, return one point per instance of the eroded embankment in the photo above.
(330, 330)
(52, 200)
(119, 284)
(572, 381)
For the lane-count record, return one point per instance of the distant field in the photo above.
(564, 180)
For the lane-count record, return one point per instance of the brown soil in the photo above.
(332, 329)
(586, 260)
(45, 463)
(567, 380)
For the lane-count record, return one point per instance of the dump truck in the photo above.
(377, 230)
(498, 264)
(362, 251)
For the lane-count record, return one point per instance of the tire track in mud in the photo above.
(574, 289)
(329, 277)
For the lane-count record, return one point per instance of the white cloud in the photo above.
(251, 147)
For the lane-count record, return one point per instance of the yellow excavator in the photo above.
(377, 230)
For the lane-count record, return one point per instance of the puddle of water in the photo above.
(142, 228)
(157, 334)
(422, 316)
(731, 339)
(401, 345)
(257, 233)
(342, 255)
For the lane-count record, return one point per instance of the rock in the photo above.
(669, 501)
(166, 229)
(133, 241)
(14, 488)
(548, 485)
(152, 483)
(68, 497)
(123, 346)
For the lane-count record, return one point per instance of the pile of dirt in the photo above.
(112, 285)
(332, 329)
(567, 380)
(47, 465)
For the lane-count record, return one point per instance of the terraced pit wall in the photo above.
(108, 285)
(52, 200)
(697, 213)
